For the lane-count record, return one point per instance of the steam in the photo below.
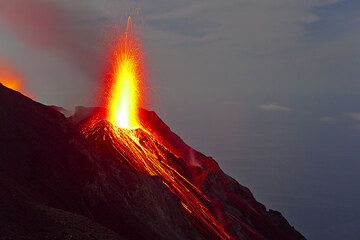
(192, 161)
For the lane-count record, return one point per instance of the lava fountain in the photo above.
(125, 79)
(122, 131)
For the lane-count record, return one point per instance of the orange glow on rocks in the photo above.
(143, 151)
(11, 79)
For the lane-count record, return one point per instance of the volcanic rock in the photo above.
(64, 178)
(50, 165)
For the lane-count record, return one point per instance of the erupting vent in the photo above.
(121, 129)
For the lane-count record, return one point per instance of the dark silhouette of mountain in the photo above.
(82, 178)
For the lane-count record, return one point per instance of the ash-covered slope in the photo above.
(50, 176)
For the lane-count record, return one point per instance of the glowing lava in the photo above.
(125, 81)
(143, 152)
(135, 143)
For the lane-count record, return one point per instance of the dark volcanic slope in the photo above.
(45, 166)
(21, 218)
(234, 204)
(56, 184)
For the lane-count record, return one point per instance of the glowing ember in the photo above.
(125, 81)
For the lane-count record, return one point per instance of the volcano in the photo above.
(117, 171)
(83, 177)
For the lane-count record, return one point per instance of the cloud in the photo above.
(249, 24)
(228, 48)
(328, 119)
(273, 107)
(355, 116)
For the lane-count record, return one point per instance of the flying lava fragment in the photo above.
(125, 80)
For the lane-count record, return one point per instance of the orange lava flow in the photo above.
(143, 152)
(125, 78)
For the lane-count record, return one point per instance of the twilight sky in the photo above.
(269, 88)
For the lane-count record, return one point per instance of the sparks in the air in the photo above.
(125, 81)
